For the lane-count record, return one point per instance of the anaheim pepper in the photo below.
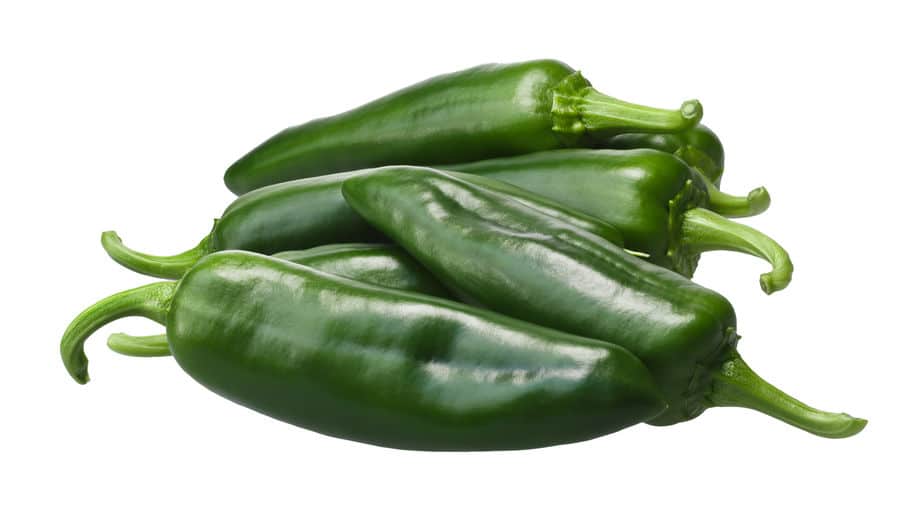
(648, 201)
(380, 264)
(356, 361)
(487, 111)
(529, 265)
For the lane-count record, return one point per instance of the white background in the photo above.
(125, 118)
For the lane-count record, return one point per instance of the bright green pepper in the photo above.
(376, 365)
(380, 264)
(528, 265)
(482, 112)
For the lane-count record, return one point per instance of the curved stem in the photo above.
(168, 267)
(151, 301)
(139, 346)
(736, 385)
(600, 112)
(732, 206)
(704, 230)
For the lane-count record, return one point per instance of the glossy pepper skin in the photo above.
(654, 198)
(390, 368)
(304, 214)
(534, 267)
(487, 111)
(380, 264)
(699, 147)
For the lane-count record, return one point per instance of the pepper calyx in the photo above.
(680, 257)
(578, 109)
(566, 96)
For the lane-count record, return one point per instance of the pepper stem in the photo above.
(736, 385)
(167, 267)
(733, 206)
(703, 230)
(151, 301)
(139, 346)
(600, 112)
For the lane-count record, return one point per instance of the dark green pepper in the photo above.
(482, 112)
(304, 214)
(655, 199)
(376, 365)
(380, 264)
(534, 267)
(698, 147)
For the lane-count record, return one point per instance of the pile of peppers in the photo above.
(496, 258)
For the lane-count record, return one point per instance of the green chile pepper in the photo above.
(655, 199)
(304, 214)
(528, 265)
(698, 147)
(648, 194)
(380, 264)
(488, 111)
(375, 365)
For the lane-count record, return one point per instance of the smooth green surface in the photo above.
(355, 361)
(487, 111)
(528, 265)
(699, 147)
(384, 265)
(307, 213)
(381, 264)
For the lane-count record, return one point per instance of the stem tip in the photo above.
(759, 200)
(692, 110)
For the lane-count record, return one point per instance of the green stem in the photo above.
(736, 385)
(167, 267)
(600, 112)
(703, 230)
(139, 346)
(577, 108)
(151, 301)
(732, 206)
